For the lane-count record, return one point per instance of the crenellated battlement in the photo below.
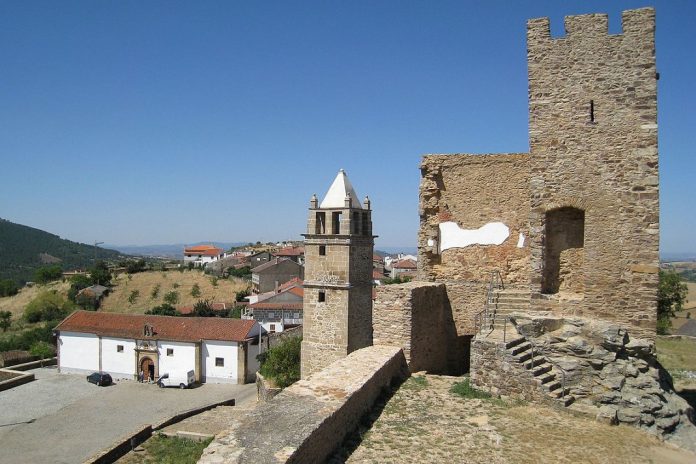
(593, 26)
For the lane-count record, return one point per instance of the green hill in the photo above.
(24, 249)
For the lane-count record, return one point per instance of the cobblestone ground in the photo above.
(424, 422)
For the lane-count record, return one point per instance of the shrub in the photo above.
(235, 313)
(172, 297)
(196, 291)
(42, 349)
(214, 281)
(100, 274)
(5, 320)
(26, 339)
(396, 280)
(282, 363)
(8, 287)
(47, 306)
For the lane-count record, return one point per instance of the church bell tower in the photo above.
(338, 276)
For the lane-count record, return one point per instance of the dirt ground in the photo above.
(424, 422)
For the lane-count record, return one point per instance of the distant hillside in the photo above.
(24, 249)
(175, 250)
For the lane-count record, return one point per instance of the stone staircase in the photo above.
(503, 302)
(548, 376)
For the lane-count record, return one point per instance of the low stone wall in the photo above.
(264, 390)
(16, 378)
(497, 373)
(309, 419)
(417, 317)
(275, 339)
(35, 364)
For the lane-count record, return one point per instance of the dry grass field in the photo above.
(425, 422)
(15, 304)
(145, 283)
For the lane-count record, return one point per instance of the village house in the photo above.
(404, 268)
(218, 350)
(295, 253)
(268, 277)
(278, 310)
(200, 255)
(257, 259)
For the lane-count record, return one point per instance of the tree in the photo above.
(133, 267)
(5, 320)
(203, 308)
(163, 310)
(196, 291)
(42, 349)
(100, 274)
(133, 296)
(282, 363)
(242, 272)
(240, 295)
(8, 287)
(47, 306)
(77, 283)
(171, 298)
(671, 294)
(48, 274)
(154, 293)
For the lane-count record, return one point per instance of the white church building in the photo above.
(218, 350)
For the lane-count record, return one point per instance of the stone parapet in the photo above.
(417, 317)
(309, 419)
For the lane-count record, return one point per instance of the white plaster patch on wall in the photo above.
(453, 236)
(520, 241)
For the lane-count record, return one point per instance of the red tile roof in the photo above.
(405, 264)
(206, 250)
(294, 282)
(290, 251)
(185, 329)
(377, 275)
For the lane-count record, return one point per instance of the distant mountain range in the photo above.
(175, 250)
(24, 249)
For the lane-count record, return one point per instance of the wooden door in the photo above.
(148, 369)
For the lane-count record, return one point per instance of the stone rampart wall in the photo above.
(307, 421)
(417, 317)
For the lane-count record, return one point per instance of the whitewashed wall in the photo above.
(119, 365)
(183, 359)
(79, 353)
(219, 349)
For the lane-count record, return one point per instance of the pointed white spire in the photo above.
(339, 190)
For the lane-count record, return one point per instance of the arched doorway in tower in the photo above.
(564, 251)
(147, 366)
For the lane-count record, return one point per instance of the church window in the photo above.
(170, 351)
(219, 362)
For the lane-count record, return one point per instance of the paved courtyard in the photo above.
(61, 418)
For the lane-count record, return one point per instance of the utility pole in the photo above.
(96, 244)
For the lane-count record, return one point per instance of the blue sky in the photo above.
(165, 122)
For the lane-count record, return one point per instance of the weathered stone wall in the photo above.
(473, 190)
(309, 419)
(417, 317)
(593, 139)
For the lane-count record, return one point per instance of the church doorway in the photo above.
(147, 366)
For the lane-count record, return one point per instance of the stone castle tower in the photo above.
(594, 164)
(338, 277)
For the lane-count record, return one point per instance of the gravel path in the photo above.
(60, 418)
